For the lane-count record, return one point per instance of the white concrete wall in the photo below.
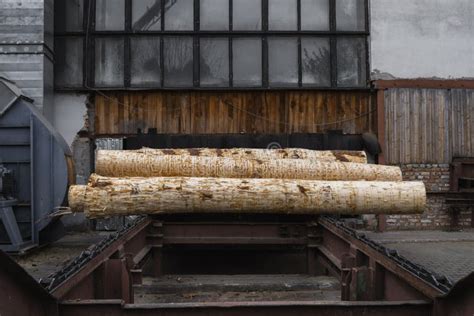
(422, 39)
(70, 117)
(69, 114)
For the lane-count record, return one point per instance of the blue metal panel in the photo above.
(38, 158)
(14, 136)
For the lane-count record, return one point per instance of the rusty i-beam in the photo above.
(100, 281)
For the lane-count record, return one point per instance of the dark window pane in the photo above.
(109, 62)
(315, 61)
(178, 61)
(214, 67)
(110, 15)
(69, 15)
(214, 15)
(179, 15)
(282, 61)
(247, 15)
(68, 62)
(282, 15)
(146, 15)
(145, 61)
(350, 15)
(247, 62)
(315, 15)
(351, 62)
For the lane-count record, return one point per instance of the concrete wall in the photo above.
(422, 39)
(70, 114)
(70, 117)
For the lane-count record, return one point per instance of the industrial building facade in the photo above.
(104, 70)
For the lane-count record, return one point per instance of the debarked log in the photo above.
(263, 154)
(104, 196)
(132, 164)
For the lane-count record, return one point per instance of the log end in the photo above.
(76, 198)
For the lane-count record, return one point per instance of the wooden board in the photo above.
(205, 112)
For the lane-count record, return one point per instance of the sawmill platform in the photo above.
(445, 253)
(163, 266)
(48, 259)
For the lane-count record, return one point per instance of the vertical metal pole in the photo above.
(196, 45)
(265, 79)
(127, 44)
(90, 43)
(300, 63)
(162, 49)
(230, 39)
(333, 42)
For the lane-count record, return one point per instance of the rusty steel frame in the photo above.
(424, 84)
(92, 278)
(115, 307)
(371, 282)
(355, 259)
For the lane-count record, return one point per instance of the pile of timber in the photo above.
(203, 180)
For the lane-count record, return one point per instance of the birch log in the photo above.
(116, 163)
(105, 197)
(264, 154)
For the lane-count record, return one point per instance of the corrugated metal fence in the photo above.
(428, 125)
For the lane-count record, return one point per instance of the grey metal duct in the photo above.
(40, 162)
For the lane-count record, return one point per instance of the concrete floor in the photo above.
(446, 253)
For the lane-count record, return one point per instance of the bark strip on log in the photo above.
(263, 154)
(132, 164)
(105, 196)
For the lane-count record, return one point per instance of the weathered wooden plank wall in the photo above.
(203, 112)
(428, 125)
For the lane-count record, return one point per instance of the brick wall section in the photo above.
(435, 176)
(436, 216)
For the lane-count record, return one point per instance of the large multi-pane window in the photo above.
(211, 44)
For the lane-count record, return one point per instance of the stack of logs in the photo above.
(288, 181)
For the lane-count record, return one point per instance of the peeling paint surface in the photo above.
(422, 39)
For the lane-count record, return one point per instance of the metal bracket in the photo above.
(11, 226)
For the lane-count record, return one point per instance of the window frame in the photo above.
(89, 33)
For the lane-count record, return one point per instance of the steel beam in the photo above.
(425, 84)
(228, 233)
(113, 307)
(341, 240)
(87, 270)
